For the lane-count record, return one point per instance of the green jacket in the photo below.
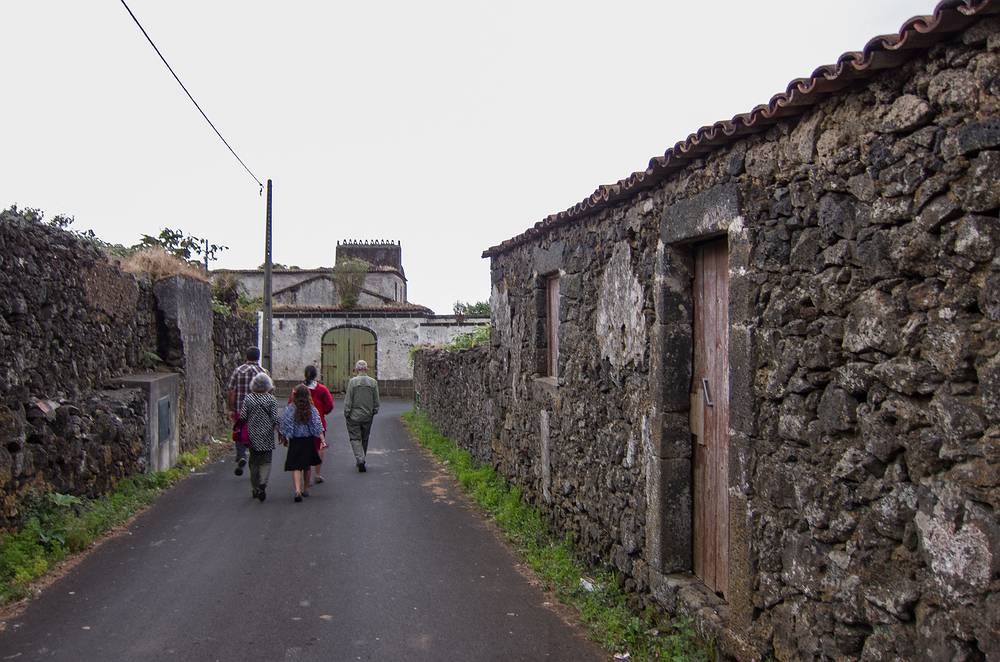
(361, 402)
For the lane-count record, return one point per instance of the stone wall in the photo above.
(81, 446)
(71, 322)
(864, 326)
(453, 392)
(69, 319)
(232, 334)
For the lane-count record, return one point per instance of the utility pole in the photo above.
(265, 350)
(206, 255)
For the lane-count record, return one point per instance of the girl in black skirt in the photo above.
(300, 425)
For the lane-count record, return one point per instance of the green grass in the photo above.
(651, 635)
(57, 525)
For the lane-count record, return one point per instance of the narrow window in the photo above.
(552, 325)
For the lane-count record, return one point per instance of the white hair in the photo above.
(361, 365)
(261, 383)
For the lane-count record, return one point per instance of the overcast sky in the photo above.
(450, 126)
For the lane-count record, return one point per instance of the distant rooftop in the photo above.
(379, 252)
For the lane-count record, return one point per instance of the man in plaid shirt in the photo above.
(238, 387)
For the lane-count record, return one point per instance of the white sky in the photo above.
(450, 126)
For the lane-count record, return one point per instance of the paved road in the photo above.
(387, 565)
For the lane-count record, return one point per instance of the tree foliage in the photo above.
(467, 309)
(227, 290)
(182, 245)
(349, 277)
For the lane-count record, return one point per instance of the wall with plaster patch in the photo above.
(864, 411)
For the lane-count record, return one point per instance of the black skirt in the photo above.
(301, 454)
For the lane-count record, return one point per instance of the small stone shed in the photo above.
(760, 377)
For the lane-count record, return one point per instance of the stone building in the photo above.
(760, 377)
(311, 326)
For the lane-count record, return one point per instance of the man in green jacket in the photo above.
(360, 406)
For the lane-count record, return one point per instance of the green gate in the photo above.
(342, 348)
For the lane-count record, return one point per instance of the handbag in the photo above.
(241, 432)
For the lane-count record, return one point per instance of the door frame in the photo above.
(712, 214)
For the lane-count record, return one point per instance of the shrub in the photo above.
(478, 309)
(159, 264)
(228, 291)
(349, 277)
(480, 336)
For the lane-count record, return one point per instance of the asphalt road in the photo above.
(387, 565)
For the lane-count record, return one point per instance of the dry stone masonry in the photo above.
(864, 329)
(71, 322)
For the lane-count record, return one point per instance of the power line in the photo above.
(171, 70)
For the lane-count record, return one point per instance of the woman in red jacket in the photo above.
(323, 402)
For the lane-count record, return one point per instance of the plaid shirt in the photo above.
(240, 381)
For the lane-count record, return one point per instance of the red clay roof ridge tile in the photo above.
(880, 53)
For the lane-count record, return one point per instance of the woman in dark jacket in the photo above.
(260, 412)
(300, 426)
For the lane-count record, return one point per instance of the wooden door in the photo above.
(710, 414)
(329, 363)
(341, 349)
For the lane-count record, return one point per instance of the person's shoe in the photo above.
(261, 494)
(361, 467)
(298, 498)
(305, 493)
(255, 494)
(319, 479)
(240, 463)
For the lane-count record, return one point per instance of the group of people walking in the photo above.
(300, 426)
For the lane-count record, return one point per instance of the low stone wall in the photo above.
(451, 387)
(232, 334)
(80, 447)
(69, 319)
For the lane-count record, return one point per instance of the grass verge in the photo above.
(603, 606)
(57, 525)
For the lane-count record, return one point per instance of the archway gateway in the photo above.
(342, 348)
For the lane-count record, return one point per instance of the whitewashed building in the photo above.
(311, 326)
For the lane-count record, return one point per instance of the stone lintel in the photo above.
(701, 216)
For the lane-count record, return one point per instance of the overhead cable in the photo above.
(177, 78)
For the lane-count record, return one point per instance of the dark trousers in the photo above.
(358, 431)
(260, 469)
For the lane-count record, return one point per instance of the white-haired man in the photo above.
(360, 406)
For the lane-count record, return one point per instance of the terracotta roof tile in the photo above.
(882, 52)
(388, 308)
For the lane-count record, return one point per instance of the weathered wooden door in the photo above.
(710, 414)
(341, 349)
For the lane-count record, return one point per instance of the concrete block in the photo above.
(162, 394)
